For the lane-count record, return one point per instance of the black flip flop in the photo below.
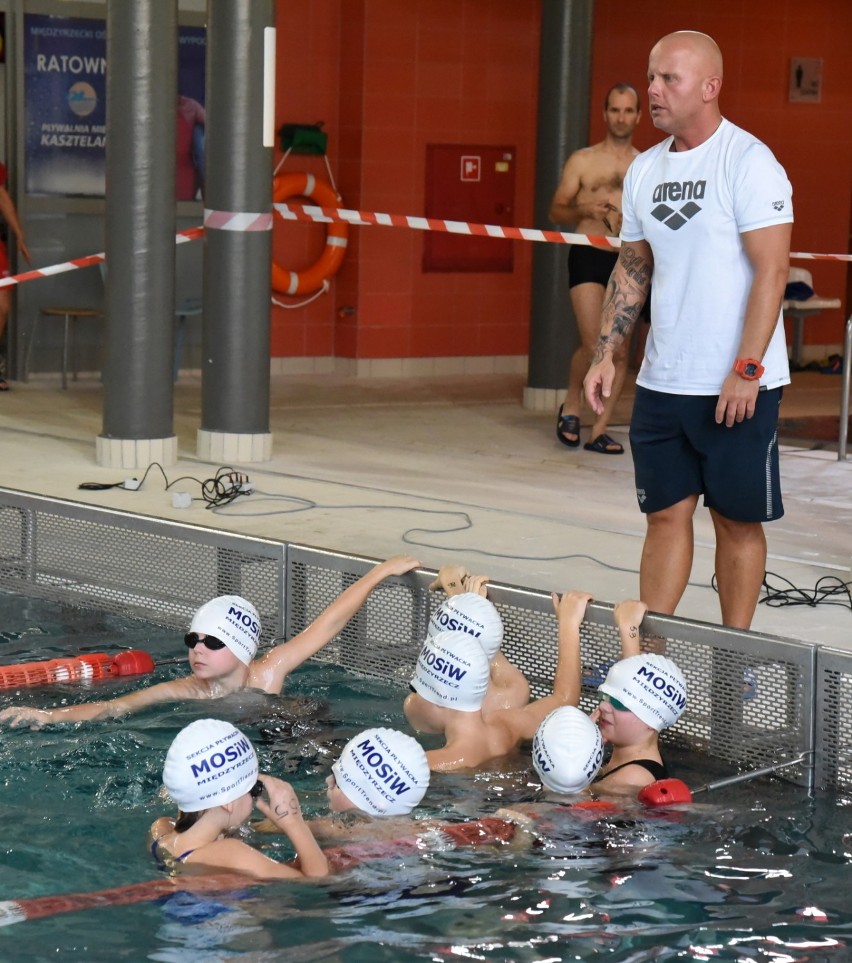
(604, 445)
(569, 424)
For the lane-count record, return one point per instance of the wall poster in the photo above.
(65, 70)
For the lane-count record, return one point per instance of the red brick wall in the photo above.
(389, 78)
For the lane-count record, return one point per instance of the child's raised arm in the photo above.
(270, 671)
(570, 609)
(628, 617)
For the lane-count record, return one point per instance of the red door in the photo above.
(476, 184)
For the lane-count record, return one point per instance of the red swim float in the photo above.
(313, 278)
(80, 668)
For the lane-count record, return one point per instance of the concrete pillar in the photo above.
(563, 127)
(139, 234)
(237, 238)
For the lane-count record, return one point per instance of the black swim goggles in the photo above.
(256, 790)
(190, 640)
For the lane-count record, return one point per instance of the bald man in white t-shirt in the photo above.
(708, 214)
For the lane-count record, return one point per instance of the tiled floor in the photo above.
(446, 469)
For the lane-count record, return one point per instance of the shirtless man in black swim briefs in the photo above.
(589, 198)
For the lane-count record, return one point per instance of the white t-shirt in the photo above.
(691, 207)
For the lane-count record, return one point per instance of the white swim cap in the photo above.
(383, 772)
(473, 614)
(452, 671)
(651, 686)
(567, 750)
(232, 620)
(210, 763)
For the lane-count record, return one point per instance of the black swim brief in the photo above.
(590, 265)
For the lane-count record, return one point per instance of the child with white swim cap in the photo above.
(222, 641)
(380, 772)
(452, 676)
(641, 695)
(211, 773)
(468, 609)
(567, 751)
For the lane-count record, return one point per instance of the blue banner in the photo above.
(65, 107)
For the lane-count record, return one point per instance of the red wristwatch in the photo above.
(749, 369)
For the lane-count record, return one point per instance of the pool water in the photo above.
(756, 871)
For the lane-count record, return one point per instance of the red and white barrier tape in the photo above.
(191, 234)
(237, 220)
(309, 212)
(325, 215)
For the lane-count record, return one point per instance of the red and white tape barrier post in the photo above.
(326, 215)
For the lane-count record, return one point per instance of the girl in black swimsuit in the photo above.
(642, 694)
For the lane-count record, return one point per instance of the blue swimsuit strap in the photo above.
(155, 852)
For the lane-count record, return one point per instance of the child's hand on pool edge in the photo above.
(397, 565)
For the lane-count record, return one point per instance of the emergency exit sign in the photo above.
(471, 167)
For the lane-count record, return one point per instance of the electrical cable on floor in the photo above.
(307, 504)
(225, 486)
(824, 592)
(828, 590)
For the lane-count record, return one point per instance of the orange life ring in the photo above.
(315, 277)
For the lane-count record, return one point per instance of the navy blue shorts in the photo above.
(679, 450)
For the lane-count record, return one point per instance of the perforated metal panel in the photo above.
(130, 565)
(752, 698)
(750, 695)
(834, 719)
(383, 639)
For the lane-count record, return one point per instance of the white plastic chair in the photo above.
(800, 310)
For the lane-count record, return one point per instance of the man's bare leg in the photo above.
(667, 556)
(587, 302)
(740, 568)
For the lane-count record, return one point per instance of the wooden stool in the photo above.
(69, 314)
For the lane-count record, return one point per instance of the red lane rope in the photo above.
(478, 832)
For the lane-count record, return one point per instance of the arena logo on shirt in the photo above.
(679, 191)
(688, 191)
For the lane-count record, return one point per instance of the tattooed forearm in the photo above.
(638, 270)
(600, 351)
(626, 294)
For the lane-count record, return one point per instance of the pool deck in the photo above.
(357, 463)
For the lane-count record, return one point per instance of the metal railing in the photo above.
(754, 699)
